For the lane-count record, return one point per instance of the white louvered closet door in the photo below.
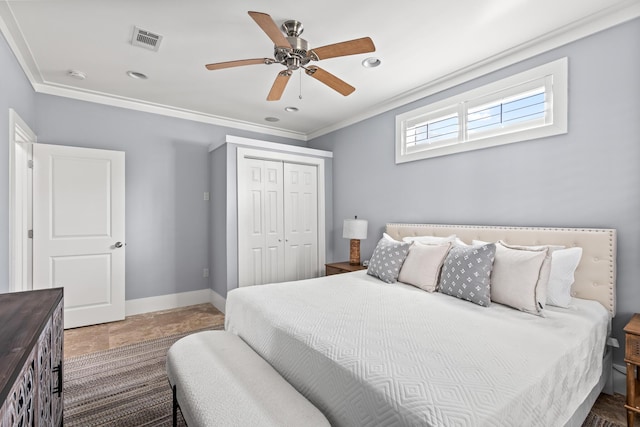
(277, 222)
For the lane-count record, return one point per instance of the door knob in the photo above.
(118, 244)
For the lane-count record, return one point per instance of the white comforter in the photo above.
(371, 354)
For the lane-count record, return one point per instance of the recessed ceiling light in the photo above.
(137, 75)
(77, 74)
(371, 62)
(272, 119)
(291, 109)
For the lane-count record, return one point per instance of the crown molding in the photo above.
(149, 107)
(585, 27)
(589, 25)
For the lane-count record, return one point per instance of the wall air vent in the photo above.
(146, 39)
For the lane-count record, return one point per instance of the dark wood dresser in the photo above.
(31, 345)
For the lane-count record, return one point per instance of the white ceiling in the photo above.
(424, 47)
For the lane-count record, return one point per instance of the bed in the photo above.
(368, 353)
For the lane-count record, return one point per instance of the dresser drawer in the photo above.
(333, 270)
(632, 348)
(342, 267)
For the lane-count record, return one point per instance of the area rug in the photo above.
(593, 420)
(128, 387)
(125, 386)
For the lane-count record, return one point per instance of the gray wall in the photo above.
(167, 173)
(586, 178)
(16, 93)
(218, 233)
(224, 224)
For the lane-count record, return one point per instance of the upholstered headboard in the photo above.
(595, 277)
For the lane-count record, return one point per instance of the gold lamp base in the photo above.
(354, 252)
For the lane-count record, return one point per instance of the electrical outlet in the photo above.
(205, 272)
(206, 195)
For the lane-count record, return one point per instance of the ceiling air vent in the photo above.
(146, 39)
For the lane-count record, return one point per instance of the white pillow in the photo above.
(563, 265)
(422, 266)
(430, 240)
(545, 270)
(515, 277)
(387, 237)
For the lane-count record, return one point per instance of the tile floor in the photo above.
(141, 327)
(147, 326)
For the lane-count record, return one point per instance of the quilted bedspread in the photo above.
(368, 353)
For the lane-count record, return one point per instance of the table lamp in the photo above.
(356, 230)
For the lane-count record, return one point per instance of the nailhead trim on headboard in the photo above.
(595, 275)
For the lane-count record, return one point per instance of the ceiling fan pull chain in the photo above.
(300, 74)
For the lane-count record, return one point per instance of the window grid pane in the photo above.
(528, 106)
(440, 129)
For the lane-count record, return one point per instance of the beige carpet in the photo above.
(128, 387)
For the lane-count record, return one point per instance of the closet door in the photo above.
(278, 230)
(300, 221)
(260, 223)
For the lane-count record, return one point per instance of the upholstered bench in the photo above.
(218, 380)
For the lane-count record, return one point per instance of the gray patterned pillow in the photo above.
(466, 273)
(387, 259)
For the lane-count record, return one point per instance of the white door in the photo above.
(277, 221)
(301, 221)
(260, 232)
(78, 230)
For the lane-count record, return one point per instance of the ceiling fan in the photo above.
(293, 52)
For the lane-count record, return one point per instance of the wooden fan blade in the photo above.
(330, 80)
(278, 86)
(267, 24)
(351, 47)
(239, 63)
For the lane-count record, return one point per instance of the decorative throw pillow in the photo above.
(387, 259)
(563, 265)
(545, 270)
(422, 266)
(466, 273)
(515, 277)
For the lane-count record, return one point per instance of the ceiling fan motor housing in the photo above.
(295, 56)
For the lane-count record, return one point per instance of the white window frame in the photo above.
(554, 77)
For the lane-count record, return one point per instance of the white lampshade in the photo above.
(355, 229)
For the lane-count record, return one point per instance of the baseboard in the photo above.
(619, 379)
(217, 300)
(167, 302)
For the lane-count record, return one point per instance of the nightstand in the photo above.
(342, 267)
(632, 358)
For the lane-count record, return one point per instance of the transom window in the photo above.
(529, 105)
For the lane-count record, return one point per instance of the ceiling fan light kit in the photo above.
(292, 51)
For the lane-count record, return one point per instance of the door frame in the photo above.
(21, 140)
(252, 153)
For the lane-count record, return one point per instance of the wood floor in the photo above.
(147, 326)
